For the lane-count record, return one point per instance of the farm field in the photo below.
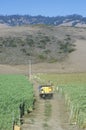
(58, 114)
(73, 87)
(14, 90)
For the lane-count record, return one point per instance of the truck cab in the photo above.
(46, 91)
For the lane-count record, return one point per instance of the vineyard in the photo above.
(73, 88)
(14, 90)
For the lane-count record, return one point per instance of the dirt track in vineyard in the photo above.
(49, 114)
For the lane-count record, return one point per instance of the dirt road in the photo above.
(49, 114)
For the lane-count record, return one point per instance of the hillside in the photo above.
(62, 46)
(40, 43)
(74, 20)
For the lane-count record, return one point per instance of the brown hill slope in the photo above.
(41, 43)
(76, 62)
(50, 49)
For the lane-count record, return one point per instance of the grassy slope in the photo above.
(43, 43)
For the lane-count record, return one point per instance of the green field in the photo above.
(73, 87)
(14, 90)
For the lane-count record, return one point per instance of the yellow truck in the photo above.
(46, 91)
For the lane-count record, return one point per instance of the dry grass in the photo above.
(61, 62)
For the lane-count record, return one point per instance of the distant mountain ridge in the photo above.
(74, 20)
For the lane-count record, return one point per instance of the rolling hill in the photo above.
(40, 43)
(73, 20)
(44, 44)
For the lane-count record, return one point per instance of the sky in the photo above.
(43, 7)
